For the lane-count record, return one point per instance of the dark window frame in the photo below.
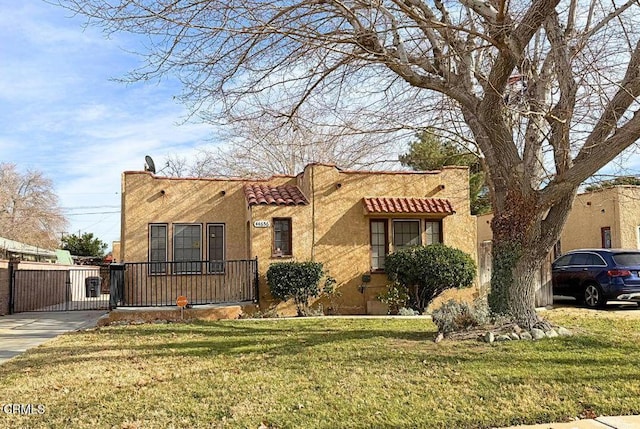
(386, 242)
(274, 248)
(216, 266)
(440, 230)
(162, 264)
(603, 231)
(408, 220)
(177, 263)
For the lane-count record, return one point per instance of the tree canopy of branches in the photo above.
(546, 89)
(261, 147)
(84, 245)
(29, 210)
(429, 152)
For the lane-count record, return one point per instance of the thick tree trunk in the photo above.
(518, 251)
(515, 266)
(523, 234)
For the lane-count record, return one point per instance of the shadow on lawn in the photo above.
(356, 343)
(208, 339)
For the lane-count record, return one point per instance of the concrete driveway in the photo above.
(20, 332)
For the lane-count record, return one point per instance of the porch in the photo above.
(159, 284)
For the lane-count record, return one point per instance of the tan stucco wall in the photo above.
(342, 229)
(116, 251)
(148, 199)
(339, 236)
(629, 216)
(617, 208)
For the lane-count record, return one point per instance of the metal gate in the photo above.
(59, 289)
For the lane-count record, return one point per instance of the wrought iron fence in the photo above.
(158, 284)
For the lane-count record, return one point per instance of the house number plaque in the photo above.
(261, 224)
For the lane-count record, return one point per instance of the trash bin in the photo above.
(92, 287)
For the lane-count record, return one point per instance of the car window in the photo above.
(562, 261)
(593, 259)
(580, 259)
(627, 259)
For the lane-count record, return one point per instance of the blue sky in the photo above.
(61, 112)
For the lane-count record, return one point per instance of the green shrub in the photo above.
(395, 297)
(299, 281)
(427, 271)
(454, 316)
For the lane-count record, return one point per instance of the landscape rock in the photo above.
(537, 334)
(489, 337)
(514, 336)
(517, 329)
(551, 333)
(503, 338)
(564, 332)
(439, 337)
(524, 335)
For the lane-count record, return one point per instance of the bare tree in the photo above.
(29, 210)
(264, 146)
(546, 89)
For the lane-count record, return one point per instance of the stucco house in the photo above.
(348, 220)
(607, 218)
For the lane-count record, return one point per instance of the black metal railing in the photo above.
(158, 284)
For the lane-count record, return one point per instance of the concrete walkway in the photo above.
(22, 331)
(616, 422)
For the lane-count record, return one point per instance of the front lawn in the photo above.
(327, 373)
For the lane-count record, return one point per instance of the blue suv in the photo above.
(595, 276)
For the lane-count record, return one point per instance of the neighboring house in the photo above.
(606, 218)
(348, 220)
(11, 249)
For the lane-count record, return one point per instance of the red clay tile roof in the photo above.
(407, 205)
(286, 195)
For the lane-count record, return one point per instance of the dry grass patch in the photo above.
(322, 373)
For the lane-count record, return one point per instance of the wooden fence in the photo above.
(544, 290)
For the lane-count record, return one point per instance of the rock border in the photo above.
(534, 334)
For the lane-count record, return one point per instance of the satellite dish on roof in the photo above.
(149, 165)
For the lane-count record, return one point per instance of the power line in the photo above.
(90, 207)
(91, 213)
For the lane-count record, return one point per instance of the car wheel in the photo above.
(593, 297)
